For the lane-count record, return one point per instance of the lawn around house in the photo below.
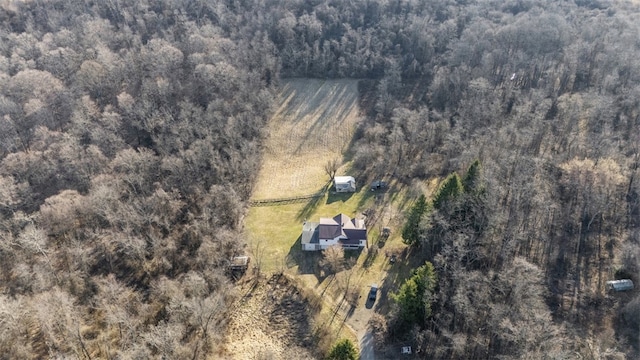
(274, 234)
(274, 231)
(274, 237)
(302, 139)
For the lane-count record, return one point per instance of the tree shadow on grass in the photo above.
(310, 208)
(308, 262)
(397, 273)
(336, 196)
(372, 254)
(351, 258)
(313, 204)
(368, 194)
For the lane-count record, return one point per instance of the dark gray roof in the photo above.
(329, 231)
(356, 234)
(342, 226)
(343, 220)
(349, 241)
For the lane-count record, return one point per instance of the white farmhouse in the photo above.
(339, 230)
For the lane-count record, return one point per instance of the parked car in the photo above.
(373, 292)
(378, 185)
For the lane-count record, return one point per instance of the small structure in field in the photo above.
(620, 285)
(339, 230)
(406, 350)
(344, 183)
(239, 263)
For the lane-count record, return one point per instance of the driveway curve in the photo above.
(366, 346)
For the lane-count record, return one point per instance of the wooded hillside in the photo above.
(130, 136)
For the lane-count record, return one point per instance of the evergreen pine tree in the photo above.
(415, 295)
(450, 189)
(343, 350)
(471, 180)
(411, 229)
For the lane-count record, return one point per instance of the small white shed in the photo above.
(345, 183)
(620, 285)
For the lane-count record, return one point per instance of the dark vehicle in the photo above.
(373, 292)
(378, 185)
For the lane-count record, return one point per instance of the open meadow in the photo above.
(313, 124)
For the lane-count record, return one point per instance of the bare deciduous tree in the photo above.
(333, 257)
(331, 167)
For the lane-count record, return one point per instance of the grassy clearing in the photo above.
(314, 123)
(274, 231)
(260, 327)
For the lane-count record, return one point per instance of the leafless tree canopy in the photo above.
(331, 167)
(130, 135)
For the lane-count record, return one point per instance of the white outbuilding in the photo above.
(345, 183)
(620, 285)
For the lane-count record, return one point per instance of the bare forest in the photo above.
(131, 133)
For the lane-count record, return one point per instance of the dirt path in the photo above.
(366, 347)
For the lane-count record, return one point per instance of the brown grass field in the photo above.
(314, 123)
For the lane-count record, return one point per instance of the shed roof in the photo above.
(239, 262)
(344, 179)
(620, 285)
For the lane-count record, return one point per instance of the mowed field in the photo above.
(313, 124)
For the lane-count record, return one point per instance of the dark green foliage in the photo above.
(343, 350)
(411, 229)
(460, 212)
(415, 296)
(450, 189)
(471, 180)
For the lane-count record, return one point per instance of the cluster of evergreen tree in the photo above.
(415, 295)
